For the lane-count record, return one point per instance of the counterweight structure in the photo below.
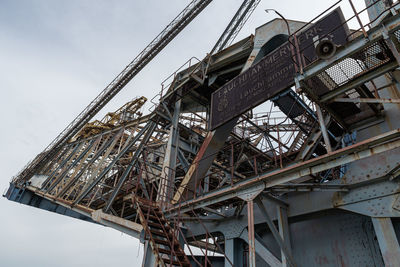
(301, 119)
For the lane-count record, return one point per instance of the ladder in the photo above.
(160, 234)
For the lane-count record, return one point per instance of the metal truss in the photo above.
(235, 25)
(167, 35)
(166, 176)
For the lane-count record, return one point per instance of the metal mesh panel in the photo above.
(349, 68)
(397, 35)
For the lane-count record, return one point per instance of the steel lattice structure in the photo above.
(312, 139)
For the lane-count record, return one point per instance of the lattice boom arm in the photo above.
(168, 34)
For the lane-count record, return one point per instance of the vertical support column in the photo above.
(249, 197)
(250, 222)
(149, 260)
(284, 232)
(323, 129)
(229, 252)
(167, 173)
(387, 240)
(212, 143)
(206, 184)
(234, 252)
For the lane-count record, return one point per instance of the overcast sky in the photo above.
(55, 57)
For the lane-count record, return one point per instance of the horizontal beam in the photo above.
(364, 149)
(78, 208)
(367, 100)
(305, 187)
(28, 197)
(120, 224)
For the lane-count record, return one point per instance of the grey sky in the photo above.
(55, 57)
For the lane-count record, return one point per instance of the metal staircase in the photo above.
(160, 234)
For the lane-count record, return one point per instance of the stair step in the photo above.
(153, 207)
(164, 242)
(160, 233)
(159, 226)
(177, 263)
(150, 205)
(154, 219)
(152, 211)
(146, 202)
(168, 252)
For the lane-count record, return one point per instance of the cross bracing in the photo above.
(313, 148)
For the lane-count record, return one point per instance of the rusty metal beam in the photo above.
(135, 157)
(62, 175)
(213, 142)
(191, 11)
(69, 154)
(120, 224)
(250, 227)
(80, 171)
(106, 170)
(375, 145)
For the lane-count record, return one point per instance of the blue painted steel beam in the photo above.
(27, 197)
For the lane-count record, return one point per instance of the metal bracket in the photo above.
(252, 193)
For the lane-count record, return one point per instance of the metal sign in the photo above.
(275, 72)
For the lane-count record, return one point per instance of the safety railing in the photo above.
(192, 65)
(299, 58)
(152, 198)
(178, 220)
